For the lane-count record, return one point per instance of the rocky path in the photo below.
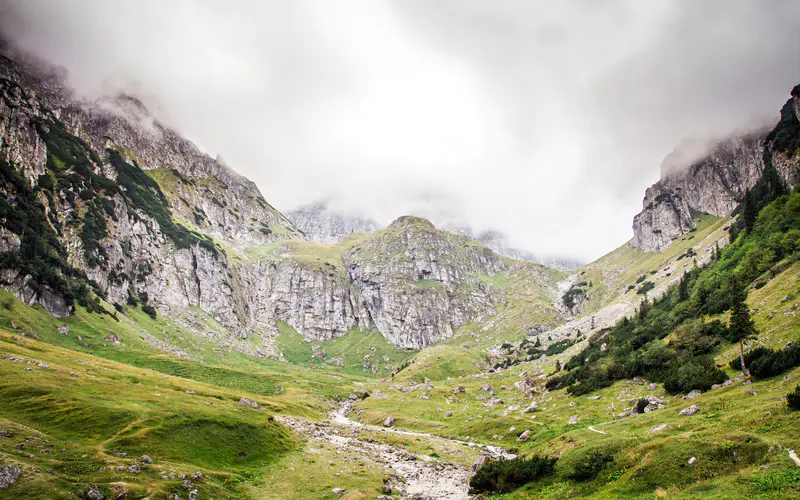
(419, 477)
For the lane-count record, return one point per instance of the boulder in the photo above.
(690, 410)
(8, 475)
(693, 394)
(250, 403)
(659, 427)
(389, 421)
(524, 436)
(94, 494)
(338, 491)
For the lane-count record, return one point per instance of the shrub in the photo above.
(150, 310)
(503, 476)
(591, 465)
(646, 287)
(793, 399)
(763, 362)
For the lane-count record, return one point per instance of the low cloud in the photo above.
(544, 120)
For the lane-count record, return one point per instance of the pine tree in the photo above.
(683, 288)
(741, 325)
(538, 342)
(749, 211)
(558, 365)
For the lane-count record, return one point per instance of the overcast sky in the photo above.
(542, 119)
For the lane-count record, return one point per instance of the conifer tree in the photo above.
(741, 325)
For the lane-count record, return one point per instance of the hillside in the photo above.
(165, 332)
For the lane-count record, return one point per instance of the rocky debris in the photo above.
(534, 406)
(248, 402)
(338, 491)
(193, 495)
(335, 362)
(652, 387)
(448, 414)
(63, 329)
(751, 392)
(593, 398)
(134, 469)
(493, 402)
(145, 459)
(659, 427)
(573, 420)
(524, 436)
(483, 458)
(487, 388)
(693, 394)
(654, 403)
(5, 433)
(388, 421)
(692, 460)
(459, 389)
(9, 475)
(690, 410)
(191, 393)
(119, 491)
(94, 494)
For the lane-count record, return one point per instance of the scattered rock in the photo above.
(63, 329)
(531, 408)
(338, 491)
(459, 389)
(573, 420)
(448, 414)
(94, 494)
(692, 461)
(693, 394)
(250, 403)
(389, 421)
(145, 459)
(483, 459)
(119, 491)
(191, 393)
(193, 495)
(5, 433)
(8, 475)
(524, 436)
(43, 365)
(690, 410)
(659, 427)
(751, 392)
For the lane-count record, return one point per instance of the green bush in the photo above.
(590, 466)
(503, 476)
(764, 363)
(793, 399)
(150, 310)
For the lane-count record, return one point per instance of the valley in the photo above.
(167, 333)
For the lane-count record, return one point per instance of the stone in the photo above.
(459, 389)
(193, 495)
(249, 403)
(9, 475)
(659, 427)
(531, 408)
(524, 436)
(388, 421)
(573, 420)
(483, 458)
(448, 414)
(63, 329)
(693, 394)
(145, 459)
(338, 491)
(94, 494)
(692, 460)
(690, 410)
(751, 392)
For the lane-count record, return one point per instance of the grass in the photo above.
(357, 350)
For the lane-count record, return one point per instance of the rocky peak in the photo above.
(713, 182)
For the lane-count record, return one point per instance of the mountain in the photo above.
(165, 332)
(715, 183)
(104, 204)
(318, 222)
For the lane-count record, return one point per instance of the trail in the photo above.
(595, 430)
(421, 476)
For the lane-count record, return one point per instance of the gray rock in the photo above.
(690, 410)
(693, 394)
(94, 494)
(338, 491)
(249, 403)
(659, 427)
(9, 475)
(524, 436)
(388, 421)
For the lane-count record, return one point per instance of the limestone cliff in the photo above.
(104, 207)
(716, 182)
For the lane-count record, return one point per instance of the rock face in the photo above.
(717, 181)
(101, 200)
(322, 224)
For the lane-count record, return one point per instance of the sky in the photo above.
(543, 120)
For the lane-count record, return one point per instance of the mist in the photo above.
(543, 120)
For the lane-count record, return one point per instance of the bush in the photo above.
(764, 363)
(793, 399)
(646, 287)
(150, 310)
(503, 476)
(591, 465)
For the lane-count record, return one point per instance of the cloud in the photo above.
(544, 120)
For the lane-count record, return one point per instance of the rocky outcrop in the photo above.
(715, 181)
(100, 201)
(318, 222)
